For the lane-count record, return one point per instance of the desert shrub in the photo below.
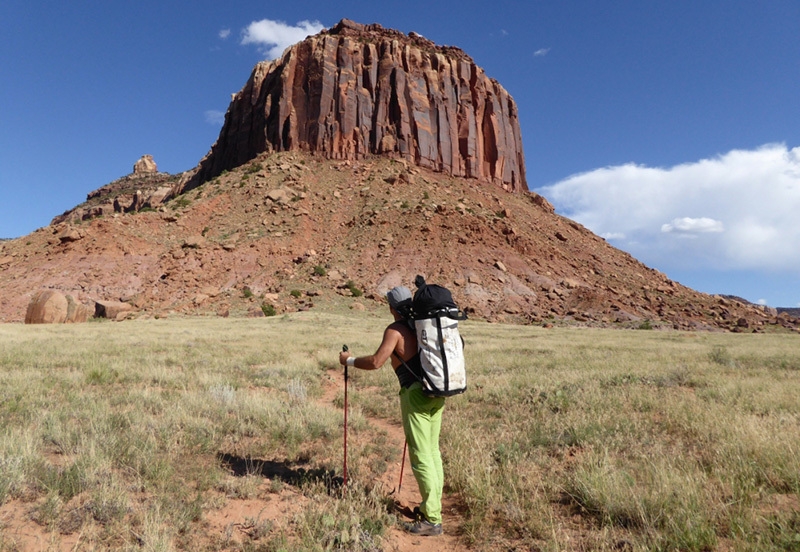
(181, 202)
(354, 290)
(268, 309)
(254, 168)
(721, 356)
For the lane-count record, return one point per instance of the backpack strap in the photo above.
(442, 352)
(407, 367)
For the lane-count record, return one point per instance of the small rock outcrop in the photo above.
(145, 166)
(112, 310)
(358, 90)
(144, 187)
(52, 307)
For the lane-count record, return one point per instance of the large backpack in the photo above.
(441, 349)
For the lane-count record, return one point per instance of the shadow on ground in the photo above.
(284, 471)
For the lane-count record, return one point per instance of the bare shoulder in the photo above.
(405, 340)
(400, 327)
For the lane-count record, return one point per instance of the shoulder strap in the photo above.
(407, 367)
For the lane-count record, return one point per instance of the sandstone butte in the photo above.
(354, 137)
(357, 90)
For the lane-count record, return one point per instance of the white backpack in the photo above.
(441, 352)
(435, 318)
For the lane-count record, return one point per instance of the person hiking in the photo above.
(421, 414)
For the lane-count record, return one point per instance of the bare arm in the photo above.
(375, 361)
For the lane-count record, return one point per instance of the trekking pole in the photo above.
(344, 480)
(402, 464)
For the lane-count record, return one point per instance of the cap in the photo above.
(398, 295)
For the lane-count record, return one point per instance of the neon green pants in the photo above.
(422, 422)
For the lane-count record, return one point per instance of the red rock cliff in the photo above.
(358, 90)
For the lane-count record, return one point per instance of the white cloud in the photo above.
(541, 52)
(693, 225)
(739, 209)
(274, 37)
(224, 33)
(214, 117)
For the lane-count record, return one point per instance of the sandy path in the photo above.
(408, 497)
(235, 519)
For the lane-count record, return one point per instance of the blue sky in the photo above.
(671, 128)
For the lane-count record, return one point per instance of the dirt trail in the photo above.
(236, 519)
(408, 497)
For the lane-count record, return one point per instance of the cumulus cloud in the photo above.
(273, 37)
(739, 210)
(541, 52)
(693, 225)
(224, 33)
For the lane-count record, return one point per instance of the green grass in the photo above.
(566, 438)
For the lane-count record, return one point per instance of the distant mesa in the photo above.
(361, 90)
(349, 93)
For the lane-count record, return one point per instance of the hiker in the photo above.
(422, 415)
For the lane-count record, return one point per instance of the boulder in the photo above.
(278, 196)
(195, 242)
(111, 309)
(70, 235)
(52, 307)
(47, 307)
(77, 312)
(159, 196)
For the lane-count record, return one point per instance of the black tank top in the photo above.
(409, 371)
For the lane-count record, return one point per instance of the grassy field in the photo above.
(130, 436)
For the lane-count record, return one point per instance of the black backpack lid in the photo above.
(431, 297)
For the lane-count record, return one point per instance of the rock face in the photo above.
(51, 307)
(359, 90)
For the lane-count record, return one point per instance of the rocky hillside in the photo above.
(359, 159)
(293, 231)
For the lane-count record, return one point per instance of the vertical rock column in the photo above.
(363, 90)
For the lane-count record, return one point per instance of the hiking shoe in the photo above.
(424, 528)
